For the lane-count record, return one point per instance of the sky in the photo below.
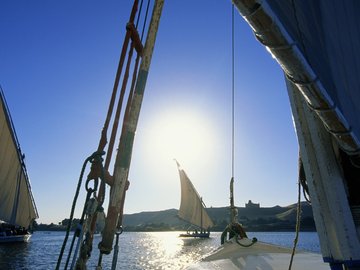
(58, 61)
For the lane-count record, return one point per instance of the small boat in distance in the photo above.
(192, 209)
(17, 206)
(10, 233)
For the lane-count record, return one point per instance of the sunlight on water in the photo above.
(137, 250)
(165, 250)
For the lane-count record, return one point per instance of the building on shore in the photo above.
(252, 205)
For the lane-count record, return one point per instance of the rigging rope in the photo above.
(95, 156)
(302, 179)
(232, 206)
(234, 229)
(92, 206)
(298, 221)
(233, 93)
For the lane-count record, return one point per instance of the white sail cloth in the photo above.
(191, 206)
(16, 202)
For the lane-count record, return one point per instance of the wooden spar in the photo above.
(332, 214)
(123, 157)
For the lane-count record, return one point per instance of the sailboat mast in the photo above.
(123, 158)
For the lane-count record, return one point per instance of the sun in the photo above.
(185, 135)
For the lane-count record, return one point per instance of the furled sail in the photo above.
(17, 205)
(191, 207)
(316, 43)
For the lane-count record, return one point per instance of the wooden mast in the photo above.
(123, 157)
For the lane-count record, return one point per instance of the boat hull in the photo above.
(195, 235)
(15, 238)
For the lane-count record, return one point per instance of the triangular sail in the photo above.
(191, 206)
(17, 205)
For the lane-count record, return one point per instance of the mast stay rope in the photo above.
(234, 229)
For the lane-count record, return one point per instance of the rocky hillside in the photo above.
(275, 218)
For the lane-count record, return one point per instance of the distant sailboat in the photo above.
(192, 208)
(17, 206)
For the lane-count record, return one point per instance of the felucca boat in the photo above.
(192, 209)
(17, 206)
(316, 44)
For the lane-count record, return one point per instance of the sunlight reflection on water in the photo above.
(137, 250)
(165, 250)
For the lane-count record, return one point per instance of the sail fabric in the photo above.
(327, 34)
(16, 201)
(191, 206)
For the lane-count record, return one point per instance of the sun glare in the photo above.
(185, 136)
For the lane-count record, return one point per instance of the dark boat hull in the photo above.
(195, 235)
(15, 238)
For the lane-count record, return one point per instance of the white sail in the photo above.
(17, 205)
(191, 207)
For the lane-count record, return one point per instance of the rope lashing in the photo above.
(86, 246)
(237, 232)
(302, 180)
(95, 156)
(82, 226)
(116, 248)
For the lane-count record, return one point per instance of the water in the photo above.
(138, 250)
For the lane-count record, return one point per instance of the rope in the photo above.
(233, 212)
(237, 232)
(96, 155)
(145, 20)
(118, 109)
(91, 206)
(232, 92)
(116, 249)
(97, 170)
(302, 179)
(103, 139)
(126, 114)
(82, 228)
(298, 220)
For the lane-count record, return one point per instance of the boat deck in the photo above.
(260, 256)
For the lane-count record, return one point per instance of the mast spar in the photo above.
(119, 180)
(123, 158)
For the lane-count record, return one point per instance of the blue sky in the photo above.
(57, 66)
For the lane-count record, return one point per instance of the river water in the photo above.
(138, 250)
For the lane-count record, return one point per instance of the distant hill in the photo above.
(254, 218)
